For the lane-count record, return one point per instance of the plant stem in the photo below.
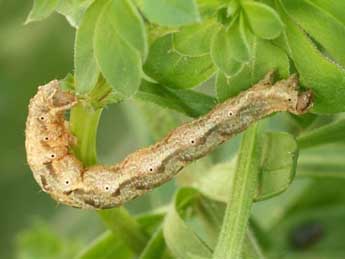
(84, 122)
(237, 213)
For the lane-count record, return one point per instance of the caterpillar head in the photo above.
(297, 102)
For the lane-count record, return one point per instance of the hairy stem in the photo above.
(235, 222)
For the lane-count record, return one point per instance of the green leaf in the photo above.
(128, 24)
(158, 121)
(171, 12)
(321, 26)
(264, 21)
(331, 133)
(119, 62)
(324, 77)
(189, 102)
(322, 162)
(119, 221)
(266, 57)
(106, 246)
(278, 164)
(271, 212)
(230, 49)
(208, 8)
(240, 200)
(41, 9)
(73, 10)
(170, 68)
(180, 238)
(86, 70)
(151, 222)
(156, 247)
(217, 182)
(195, 40)
(334, 7)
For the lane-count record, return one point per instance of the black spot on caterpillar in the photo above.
(62, 175)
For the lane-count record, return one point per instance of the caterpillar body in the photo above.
(62, 175)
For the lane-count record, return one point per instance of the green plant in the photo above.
(153, 51)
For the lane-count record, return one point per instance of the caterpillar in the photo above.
(60, 174)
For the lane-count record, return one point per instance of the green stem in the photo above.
(244, 186)
(84, 122)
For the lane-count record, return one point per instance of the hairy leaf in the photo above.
(170, 68)
(119, 62)
(86, 70)
(171, 12)
(194, 40)
(266, 57)
(324, 77)
(230, 49)
(264, 20)
(321, 26)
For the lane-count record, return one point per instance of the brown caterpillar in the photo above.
(62, 175)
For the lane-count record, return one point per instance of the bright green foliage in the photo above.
(321, 26)
(86, 69)
(169, 67)
(266, 56)
(264, 21)
(334, 8)
(230, 48)
(149, 54)
(73, 10)
(171, 12)
(190, 102)
(120, 60)
(194, 40)
(41, 10)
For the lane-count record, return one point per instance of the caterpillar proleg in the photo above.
(62, 175)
